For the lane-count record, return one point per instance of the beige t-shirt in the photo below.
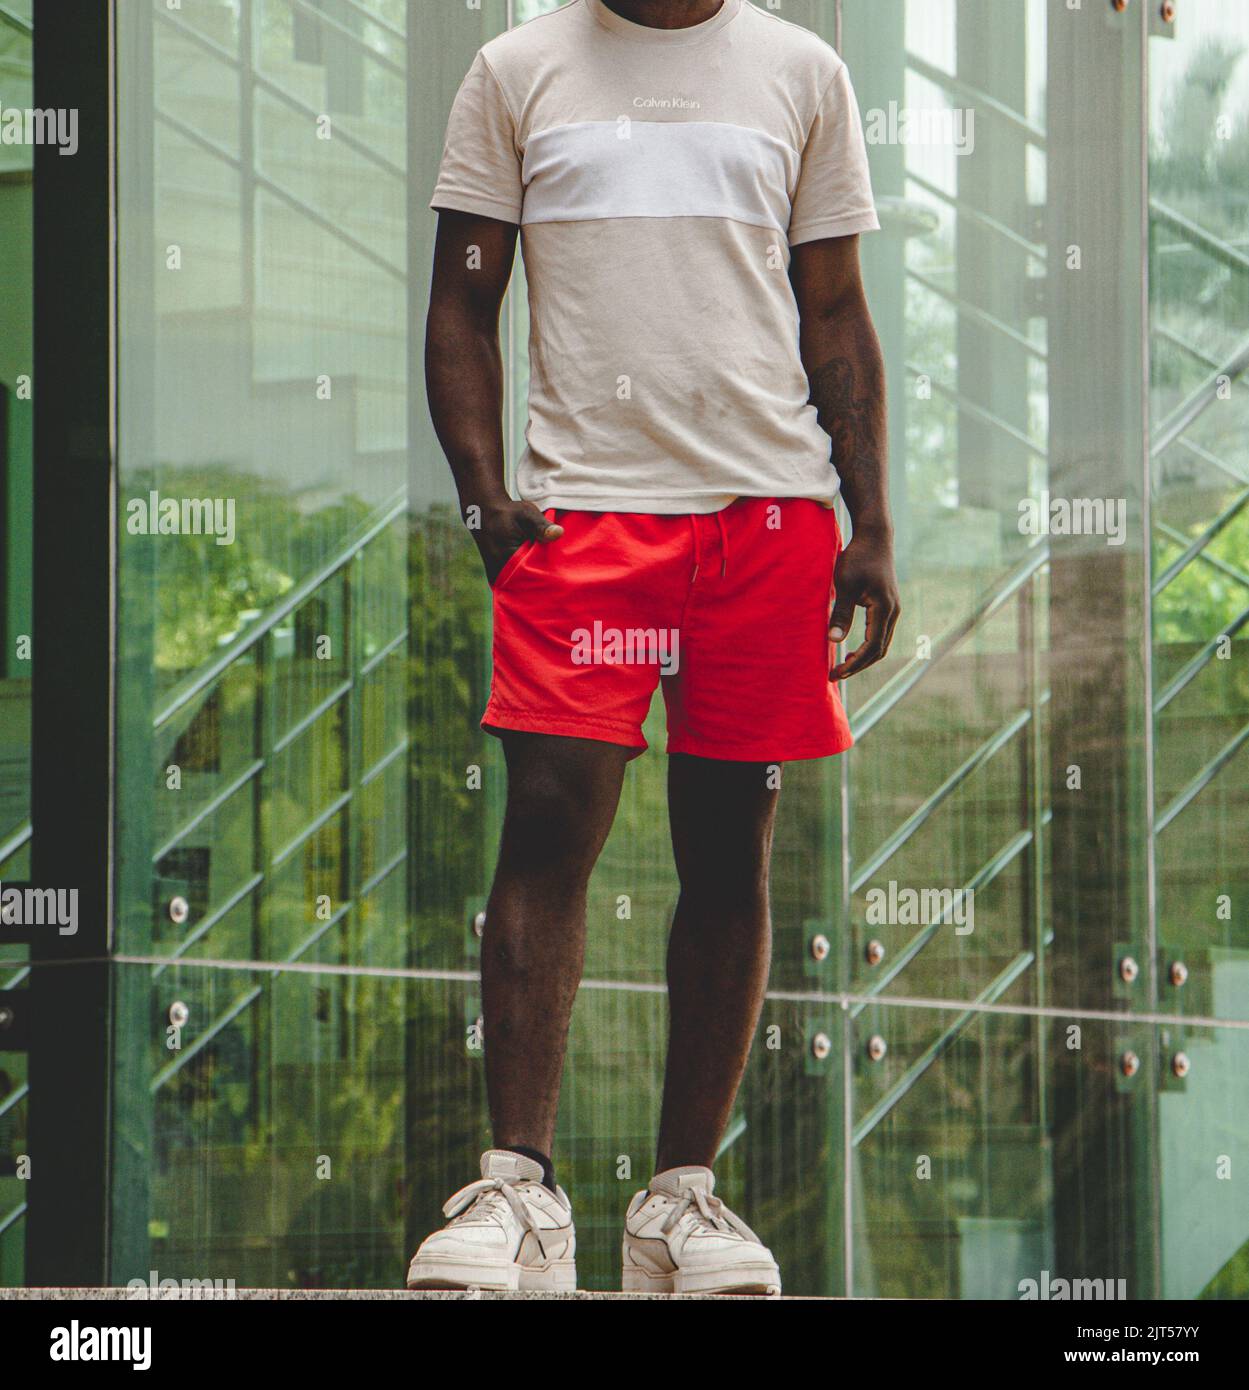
(660, 177)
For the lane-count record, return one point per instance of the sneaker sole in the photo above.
(446, 1272)
(760, 1277)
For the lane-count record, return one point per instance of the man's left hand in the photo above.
(864, 578)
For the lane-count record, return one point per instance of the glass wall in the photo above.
(950, 1180)
(1010, 991)
(1199, 480)
(265, 539)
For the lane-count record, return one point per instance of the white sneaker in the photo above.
(505, 1231)
(678, 1238)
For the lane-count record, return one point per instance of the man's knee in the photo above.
(723, 848)
(739, 885)
(553, 824)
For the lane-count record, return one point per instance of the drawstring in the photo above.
(724, 545)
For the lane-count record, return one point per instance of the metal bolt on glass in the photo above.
(820, 946)
(877, 1047)
(6, 1018)
(1180, 1065)
(821, 1046)
(179, 910)
(1129, 1064)
(1129, 970)
(179, 1014)
(875, 952)
(1178, 974)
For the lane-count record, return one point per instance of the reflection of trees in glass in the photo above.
(1202, 601)
(447, 694)
(1232, 1281)
(1199, 168)
(278, 1149)
(205, 592)
(391, 1075)
(375, 1073)
(443, 1087)
(1189, 159)
(1199, 293)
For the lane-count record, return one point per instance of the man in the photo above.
(691, 179)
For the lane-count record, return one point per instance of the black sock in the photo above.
(548, 1168)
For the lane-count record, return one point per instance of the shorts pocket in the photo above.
(518, 557)
(511, 565)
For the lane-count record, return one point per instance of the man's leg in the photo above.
(561, 799)
(719, 950)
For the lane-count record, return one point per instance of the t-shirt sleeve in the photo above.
(481, 166)
(834, 193)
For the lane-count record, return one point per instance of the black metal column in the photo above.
(67, 1224)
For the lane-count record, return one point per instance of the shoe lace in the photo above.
(709, 1212)
(490, 1199)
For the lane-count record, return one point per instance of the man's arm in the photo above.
(842, 357)
(464, 380)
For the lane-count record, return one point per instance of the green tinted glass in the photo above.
(965, 1078)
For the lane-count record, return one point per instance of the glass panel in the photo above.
(974, 1175)
(1017, 489)
(263, 404)
(307, 1126)
(1199, 349)
(285, 521)
(287, 1133)
(947, 786)
(307, 809)
(282, 1121)
(208, 869)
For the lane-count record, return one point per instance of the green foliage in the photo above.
(1203, 601)
(205, 593)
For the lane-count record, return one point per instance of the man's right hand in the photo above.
(505, 527)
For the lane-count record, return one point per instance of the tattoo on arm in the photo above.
(848, 392)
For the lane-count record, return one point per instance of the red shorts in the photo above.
(729, 610)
